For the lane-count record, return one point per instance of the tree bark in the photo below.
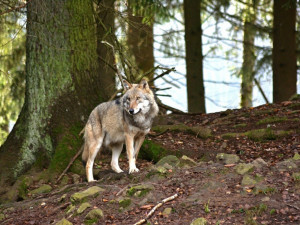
(284, 50)
(194, 57)
(247, 71)
(61, 90)
(105, 31)
(140, 43)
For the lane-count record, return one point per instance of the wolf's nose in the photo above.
(131, 111)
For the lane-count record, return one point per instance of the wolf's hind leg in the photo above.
(116, 151)
(94, 147)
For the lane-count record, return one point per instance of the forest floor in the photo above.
(256, 181)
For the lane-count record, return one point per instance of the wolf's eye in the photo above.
(128, 99)
(137, 98)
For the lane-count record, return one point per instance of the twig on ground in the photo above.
(69, 165)
(155, 208)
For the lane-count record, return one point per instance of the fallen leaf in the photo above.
(147, 206)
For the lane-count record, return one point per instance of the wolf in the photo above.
(125, 120)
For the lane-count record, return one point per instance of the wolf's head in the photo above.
(138, 98)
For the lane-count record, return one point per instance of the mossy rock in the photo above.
(84, 195)
(296, 156)
(154, 152)
(2, 217)
(201, 132)
(244, 168)
(199, 221)
(140, 190)
(25, 182)
(230, 135)
(64, 222)
(248, 181)
(41, 190)
(124, 203)
(83, 207)
(186, 161)
(171, 160)
(228, 158)
(94, 214)
(286, 165)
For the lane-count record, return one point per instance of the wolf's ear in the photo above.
(127, 85)
(144, 84)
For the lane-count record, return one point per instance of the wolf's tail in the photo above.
(85, 155)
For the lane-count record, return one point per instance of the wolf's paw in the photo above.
(92, 180)
(133, 170)
(117, 170)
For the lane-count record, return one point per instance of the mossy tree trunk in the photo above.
(247, 71)
(140, 43)
(194, 57)
(61, 87)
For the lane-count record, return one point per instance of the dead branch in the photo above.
(116, 68)
(168, 70)
(69, 165)
(155, 208)
(156, 135)
(261, 90)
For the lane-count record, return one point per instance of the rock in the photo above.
(228, 158)
(124, 203)
(83, 207)
(94, 214)
(248, 181)
(199, 221)
(167, 211)
(265, 199)
(88, 193)
(243, 168)
(286, 165)
(64, 222)
(140, 190)
(71, 209)
(296, 156)
(259, 163)
(2, 216)
(76, 178)
(187, 161)
(171, 160)
(41, 190)
(63, 198)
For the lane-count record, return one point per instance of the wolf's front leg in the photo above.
(130, 153)
(116, 151)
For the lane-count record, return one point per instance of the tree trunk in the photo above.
(248, 55)
(284, 50)
(194, 57)
(105, 29)
(140, 43)
(61, 90)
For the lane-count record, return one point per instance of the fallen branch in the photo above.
(155, 208)
(161, 133)
(69, 165)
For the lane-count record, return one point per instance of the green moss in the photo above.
(67, 147)
(124, 203)
(294, 106)
(264, 112)
(272, 119)
(261, 134)
(230, 135)
(240, 125)
(139, 190)
(153, 152)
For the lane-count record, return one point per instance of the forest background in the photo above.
(62, 58)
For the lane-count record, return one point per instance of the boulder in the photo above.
(170, 160)
(286, 165)
(140, 190)
(88, 193)
(259, 163)
(41, 190)
(243, 168)
(228, 158)
(64, 222)
(94, 214)
(248, 181)
(83, 207)
(199, 221)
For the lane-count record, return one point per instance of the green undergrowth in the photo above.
(201, 132)
(273, 119)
